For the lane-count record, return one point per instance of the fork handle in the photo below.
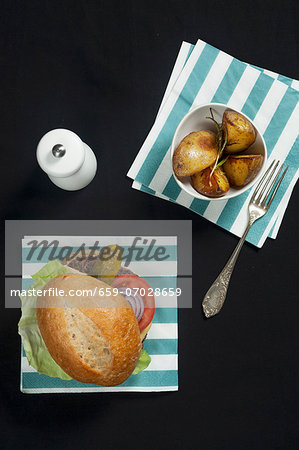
(215, 297)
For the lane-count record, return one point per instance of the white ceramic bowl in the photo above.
(195, 120)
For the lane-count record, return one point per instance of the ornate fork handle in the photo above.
(215, 297)
(259, 204)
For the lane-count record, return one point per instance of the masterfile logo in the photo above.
(145, 251)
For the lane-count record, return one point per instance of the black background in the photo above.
(100, 68)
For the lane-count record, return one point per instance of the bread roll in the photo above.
(98, 343)
(77, 263)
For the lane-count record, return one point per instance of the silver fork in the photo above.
(258, 206)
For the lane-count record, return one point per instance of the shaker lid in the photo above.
(60, 153)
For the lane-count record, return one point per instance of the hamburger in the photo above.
(96, 339)
(130, 285)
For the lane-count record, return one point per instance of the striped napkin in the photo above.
(204, 74)
(162, 340)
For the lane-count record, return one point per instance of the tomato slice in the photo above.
(134, 281)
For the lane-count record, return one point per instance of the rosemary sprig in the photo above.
(221, 140)
(218, 126)
(222, 162)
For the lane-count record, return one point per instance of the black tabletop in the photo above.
(100, 68)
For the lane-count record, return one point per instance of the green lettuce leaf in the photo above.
(36, 351)
(51, 270)
(143, 362)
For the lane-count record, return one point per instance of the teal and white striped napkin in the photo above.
(204, 74)
(162, 340)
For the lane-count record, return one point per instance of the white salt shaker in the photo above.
(69, 162)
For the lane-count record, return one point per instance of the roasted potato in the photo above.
(240, 132)
(195, 152)
(212, 186)
(241, 169)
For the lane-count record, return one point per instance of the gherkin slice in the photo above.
(108, 263)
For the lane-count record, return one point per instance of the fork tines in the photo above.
(268, 180)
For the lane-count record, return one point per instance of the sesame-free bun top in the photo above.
(94, 339)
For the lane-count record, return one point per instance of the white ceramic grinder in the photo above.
(69, 162)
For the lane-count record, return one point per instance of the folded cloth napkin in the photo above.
(162, 339)
(204, 74)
